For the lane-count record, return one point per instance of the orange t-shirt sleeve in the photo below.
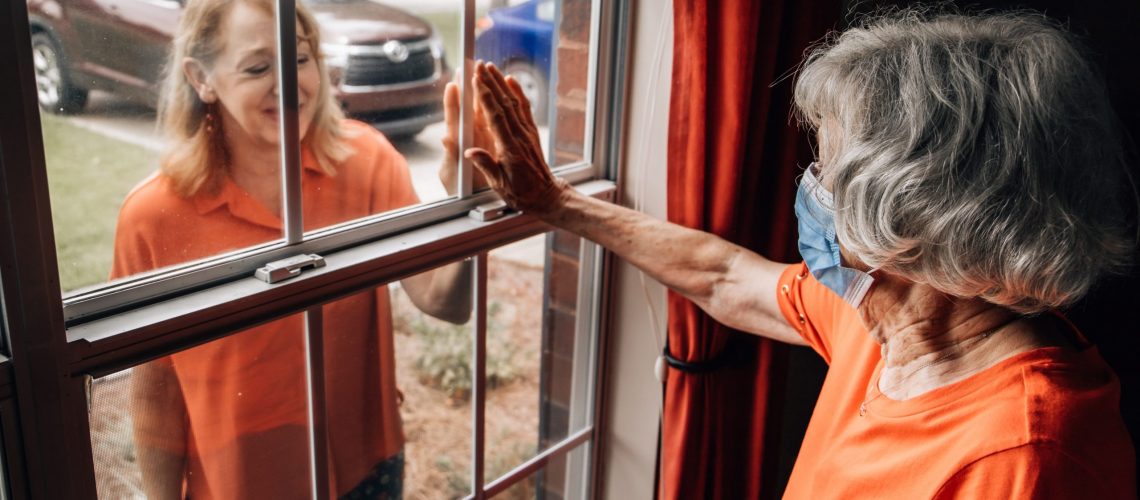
(809, 307)
(1034, 470)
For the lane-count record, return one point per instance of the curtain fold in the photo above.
(734, 154)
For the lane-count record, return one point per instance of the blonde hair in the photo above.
(196, 158)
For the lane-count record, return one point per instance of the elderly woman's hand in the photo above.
(516, 170)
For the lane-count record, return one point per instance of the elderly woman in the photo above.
(228, 419)
(963, 193)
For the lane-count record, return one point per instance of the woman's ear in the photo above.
(199, 79)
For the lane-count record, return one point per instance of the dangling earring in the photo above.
(211, 125)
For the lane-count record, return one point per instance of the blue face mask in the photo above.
(819, 247)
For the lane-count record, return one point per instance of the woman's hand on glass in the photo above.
(515, 167)
(449, 171)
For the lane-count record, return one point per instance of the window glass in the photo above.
(397, 402)
(170, 192)
(434, 372)
(229, 416)
(134, 189)
(550, 481)
(532, 302)
(544, 45)
(390, 63)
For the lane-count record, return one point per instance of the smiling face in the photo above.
(242, 79)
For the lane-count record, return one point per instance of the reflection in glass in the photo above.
(544, 45)
(548, 482)
(433, 367)
(227, 418)
(532, 302)
(230, 418)
(390, 68)
(103, 69)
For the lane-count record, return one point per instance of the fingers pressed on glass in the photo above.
(485, 163)
(507, 97)
(495, 115)
(524, 107)
(495, 80)
(520, 125)
(451, 106)
(498, 89)
(451, 118)
(513, 100)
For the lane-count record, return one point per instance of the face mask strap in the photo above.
(858, 288)
(814, 188)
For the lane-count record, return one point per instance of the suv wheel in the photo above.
(54, 89)
(534, 88)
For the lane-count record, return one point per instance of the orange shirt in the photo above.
(245, 395)
(1040, 424)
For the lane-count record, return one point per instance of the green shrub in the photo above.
(445, 358)
(458, 479)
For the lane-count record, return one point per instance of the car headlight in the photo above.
(436, 44)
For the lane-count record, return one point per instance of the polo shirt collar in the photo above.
(238, 201)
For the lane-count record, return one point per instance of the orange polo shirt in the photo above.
(1040, 424)
(245, 395)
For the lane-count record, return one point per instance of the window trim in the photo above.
(47, 400)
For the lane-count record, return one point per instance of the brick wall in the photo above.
(561, 276)
(572, 57)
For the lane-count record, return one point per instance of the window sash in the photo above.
(113, 343)
(344, 270)
(149, 287)
(110, 298)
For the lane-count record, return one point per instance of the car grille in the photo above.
(377, 69)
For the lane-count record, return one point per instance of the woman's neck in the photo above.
(256, 170)
(930, 340)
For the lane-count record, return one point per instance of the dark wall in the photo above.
(1110, 315)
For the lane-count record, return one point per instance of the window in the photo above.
(80, 342)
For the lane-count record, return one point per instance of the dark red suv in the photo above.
(389, 64)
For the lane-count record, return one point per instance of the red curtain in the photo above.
(734, 153)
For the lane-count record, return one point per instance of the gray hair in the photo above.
(976, 154)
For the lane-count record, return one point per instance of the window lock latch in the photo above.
(489, 211)
(284, 269)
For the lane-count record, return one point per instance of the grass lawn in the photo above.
(88, 176)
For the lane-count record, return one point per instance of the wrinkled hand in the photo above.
(516, 168)
(449, 171)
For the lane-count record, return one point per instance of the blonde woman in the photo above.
(228, 419)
